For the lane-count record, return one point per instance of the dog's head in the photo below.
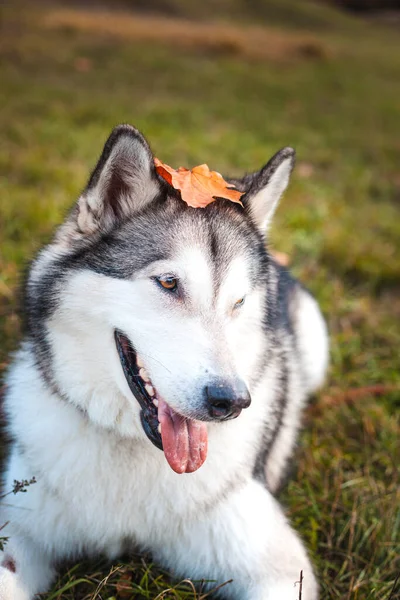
(146, 313)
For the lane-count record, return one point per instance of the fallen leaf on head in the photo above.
(199, 186)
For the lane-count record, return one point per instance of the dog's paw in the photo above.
(9, 586)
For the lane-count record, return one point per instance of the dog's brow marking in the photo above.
(199, 275)
(234, 285)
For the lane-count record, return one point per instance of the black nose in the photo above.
(225, 400)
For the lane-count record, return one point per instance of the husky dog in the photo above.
(157, 395)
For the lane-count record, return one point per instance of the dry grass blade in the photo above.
(217, 588)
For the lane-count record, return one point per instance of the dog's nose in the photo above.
(225, 400)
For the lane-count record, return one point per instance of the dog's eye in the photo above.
(239, 303)
(167, 282)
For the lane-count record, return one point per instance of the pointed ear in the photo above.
(123, 182)
(264, 189)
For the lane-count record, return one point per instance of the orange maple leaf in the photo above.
(198, 187)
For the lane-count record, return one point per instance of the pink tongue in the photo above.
(184, 440)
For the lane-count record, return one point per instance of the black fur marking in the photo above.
(277, 415)
(280, 316)
(278, 322)
(214, 246)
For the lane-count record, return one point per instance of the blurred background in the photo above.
(229, 82)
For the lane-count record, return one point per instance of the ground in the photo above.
(291, 74)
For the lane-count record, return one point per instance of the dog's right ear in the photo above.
(123, 182)
(264, 189)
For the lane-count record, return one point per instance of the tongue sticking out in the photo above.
(184, 440)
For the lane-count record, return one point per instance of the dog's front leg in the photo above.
(247, 539)
(25, 570)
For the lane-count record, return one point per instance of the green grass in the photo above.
(339, 223)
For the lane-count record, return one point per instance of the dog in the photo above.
(158, 391)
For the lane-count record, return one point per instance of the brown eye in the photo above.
(239, 302)
(167, 282)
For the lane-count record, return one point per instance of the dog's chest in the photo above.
(132, 494)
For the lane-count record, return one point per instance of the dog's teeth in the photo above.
(155, 402)
(149, 389)
(144, 375)
(139, 361)
(159, 428)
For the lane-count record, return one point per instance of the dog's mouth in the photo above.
(183, 440)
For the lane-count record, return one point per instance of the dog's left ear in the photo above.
(264, 189)
(123, 182)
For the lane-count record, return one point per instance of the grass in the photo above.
(64, 85)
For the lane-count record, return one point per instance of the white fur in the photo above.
(100, 480)
(96, 488)
(193, 265)
(313, 341)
